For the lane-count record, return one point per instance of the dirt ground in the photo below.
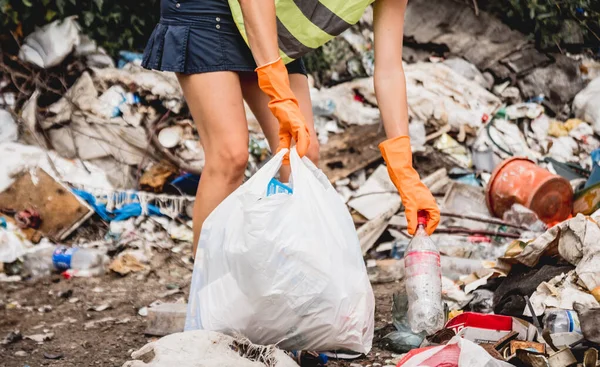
(86, 337)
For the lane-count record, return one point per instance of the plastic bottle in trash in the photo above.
(562, 321)
(423, 282)
(79, 261)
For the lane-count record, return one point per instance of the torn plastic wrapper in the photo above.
(458, 352)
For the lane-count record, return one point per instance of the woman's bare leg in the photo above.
(258, 103)
(215, 101)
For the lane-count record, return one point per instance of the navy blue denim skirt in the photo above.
(190, 43)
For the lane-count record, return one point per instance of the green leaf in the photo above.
(45, 2)
(88, 18)
(50, 14)
(60, 5)
(74, 2)
(103, 31)
(27, 3)
(99, 3)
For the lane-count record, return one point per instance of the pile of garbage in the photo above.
(102, 176)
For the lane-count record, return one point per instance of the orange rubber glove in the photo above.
(273, 80)
(415, 195)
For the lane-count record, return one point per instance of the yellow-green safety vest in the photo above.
(304, 25)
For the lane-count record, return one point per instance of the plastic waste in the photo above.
(524, 217)
(207, 349)
(482, 302)
(595, 176)
(483, 158)
(9, 131)
(562, 321)
(458, 352)
(12, 247)
(46, 259)
(424, 282)
(585, 104)
(417, 133)
(276, 187)
(403, 339)
(263, 266)
(446, 144)
(126, 57)
(323, 107)
(48, 46)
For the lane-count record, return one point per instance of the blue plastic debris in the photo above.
(125, 212)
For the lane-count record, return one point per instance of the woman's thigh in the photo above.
(216, 104)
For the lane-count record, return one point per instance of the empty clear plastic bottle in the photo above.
(82, 262)
(79, 262)
(562, 321)
(423, 282)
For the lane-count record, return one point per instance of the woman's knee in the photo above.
(228, 162)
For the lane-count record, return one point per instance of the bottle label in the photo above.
(574, 325)
(61, 258)
(422, 262)
(276, 187)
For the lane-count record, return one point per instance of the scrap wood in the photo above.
(157, 176)
(60, 210)
(490, 220)
(372, 230)
(461, 230)
(351, 151)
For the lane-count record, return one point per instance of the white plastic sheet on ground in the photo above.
(284, 269)
(23, 157)
(205, 349)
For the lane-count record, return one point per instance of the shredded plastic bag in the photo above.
(283, 269)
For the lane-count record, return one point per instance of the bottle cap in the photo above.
(422, 217)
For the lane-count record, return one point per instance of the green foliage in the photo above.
(552, 22)
(114, 24)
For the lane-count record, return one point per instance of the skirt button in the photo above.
(218, 19)
(177, 5)
(218, 26)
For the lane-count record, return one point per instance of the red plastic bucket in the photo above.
(520, 180)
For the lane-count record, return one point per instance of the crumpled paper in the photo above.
(560, 292)
(576, 240)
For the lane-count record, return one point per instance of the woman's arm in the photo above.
(261, 29)
(390, 83)
(260, 23)
(390, 90)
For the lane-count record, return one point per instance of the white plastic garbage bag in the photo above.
(286, 269)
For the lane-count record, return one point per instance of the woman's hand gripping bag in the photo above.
(284, 269)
